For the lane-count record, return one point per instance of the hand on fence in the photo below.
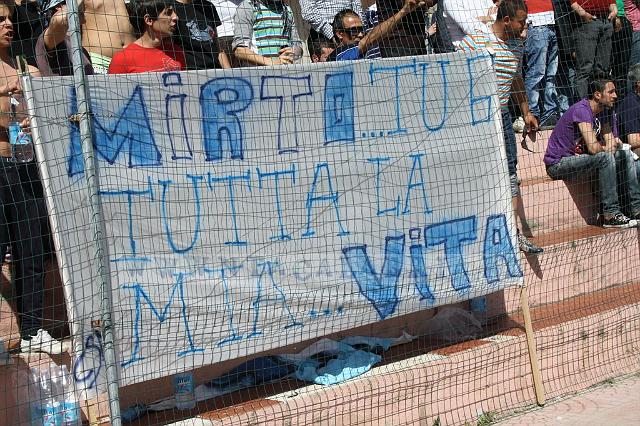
(411, 5)
(531, 122)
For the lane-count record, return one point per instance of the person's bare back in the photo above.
(107, 29)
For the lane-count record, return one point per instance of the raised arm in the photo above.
(57, 29)
(385, 27)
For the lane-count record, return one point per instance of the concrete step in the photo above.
(531, 164)
(589, 339)
(576, 261)
(551, 206)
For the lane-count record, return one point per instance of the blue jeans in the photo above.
(512, 151)
(541, 50)
(607, 167)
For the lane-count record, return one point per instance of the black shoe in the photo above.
(618, 220)
(549, 123)
(527, 246)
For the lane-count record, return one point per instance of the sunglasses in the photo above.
(353, 31)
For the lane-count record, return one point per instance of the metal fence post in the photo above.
(97, 219)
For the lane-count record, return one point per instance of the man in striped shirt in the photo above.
(503, 40)
(265, 33)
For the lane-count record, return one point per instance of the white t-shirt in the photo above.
(226, 11)
(467, 17)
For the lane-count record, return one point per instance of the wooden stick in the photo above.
(538, 386)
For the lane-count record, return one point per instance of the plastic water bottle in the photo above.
(21, 143)
(69, 404)
(184, 391)
(36, 397)
(51, 415)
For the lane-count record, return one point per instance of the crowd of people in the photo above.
(560, 64)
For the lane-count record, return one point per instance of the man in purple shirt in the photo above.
(586, 139)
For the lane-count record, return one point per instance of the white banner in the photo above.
(250, 209)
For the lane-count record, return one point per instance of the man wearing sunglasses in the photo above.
(349, 34)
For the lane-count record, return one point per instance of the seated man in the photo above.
(153, 51)
(53, 47)
(585, 139)
(23, 214)
(265, 33)
(349, 31)
(629, 113)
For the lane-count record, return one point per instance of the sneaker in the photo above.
(43, 342)
(618, 220)
(549, 123)
(527, 246)
(518, 125)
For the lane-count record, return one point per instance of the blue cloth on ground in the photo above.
(330, 368)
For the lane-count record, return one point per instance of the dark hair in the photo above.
(598, 85)
(510, 8)
(316, 45)
(338, 23)
(140, 9)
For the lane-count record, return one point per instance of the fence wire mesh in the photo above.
(315, 212)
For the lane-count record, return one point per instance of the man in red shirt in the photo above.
(593, 40)
(153, 51)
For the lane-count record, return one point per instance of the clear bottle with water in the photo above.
(36, 397)
(184, 391)
(20, 141)
(49, 383)
(68, 403)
